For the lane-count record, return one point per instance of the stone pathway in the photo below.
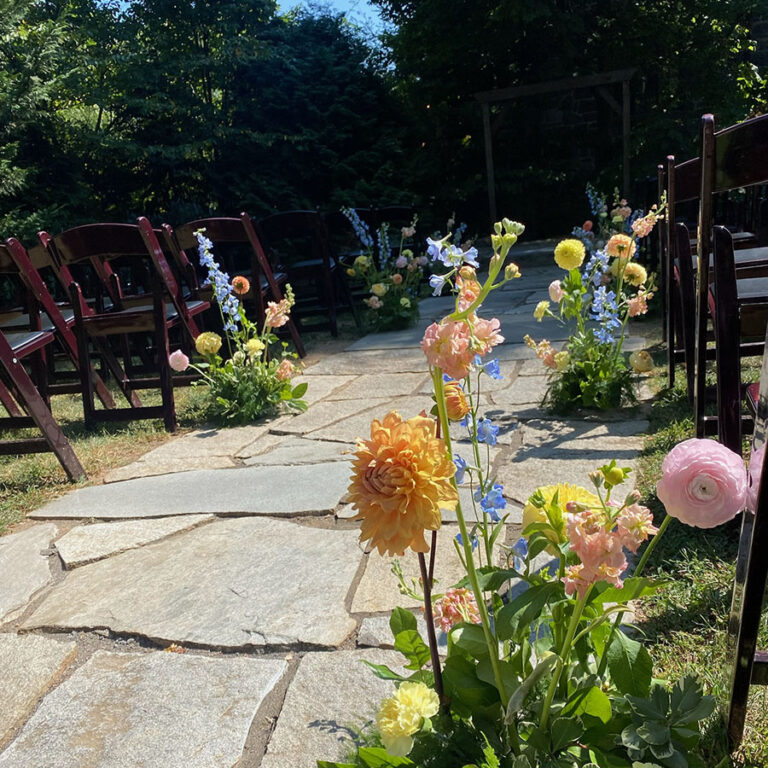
(233, 548)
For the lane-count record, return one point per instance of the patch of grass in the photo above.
(685, 622)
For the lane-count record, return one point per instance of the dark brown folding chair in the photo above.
(229, 231)
(298, 241)
(14, 260)
(747, 665)
(19, 387)
(733, 158)
(141, 315)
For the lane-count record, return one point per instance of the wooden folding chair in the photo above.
(298, 241)
(127, 315)
(14, 347)
(749, 666)
(732, 158)
(227, 231)
(14, 260)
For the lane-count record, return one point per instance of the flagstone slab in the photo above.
(320, 387)
(326, 413)
(234, 583)
(410, 337)
(382, 385)
(378, 589)
(574, 433)
(148, 466)
(375, 632)
(331, 697)
(359, 425)
(29, 666)
(524, 390)
(88, 543)
(299, 450)
(124, 710)
(24, 567)
(409, 360)
(279, 490)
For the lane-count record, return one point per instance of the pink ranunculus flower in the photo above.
(448, 345)
(284, 371)
(555, 291)
(703, 483)
(401, 262)
(455, 606)
(178, 361)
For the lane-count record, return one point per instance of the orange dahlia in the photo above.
(240, 285)
(400, 481)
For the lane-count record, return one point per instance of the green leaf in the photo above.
(375, 757)
(462, 683)
(589, 701)
(654, 732)
(634, 587)
(688, 704)
(517, 699)
(514, 619)
(410, 644)
(383, 672)
(299, 390)
(329, 764)
(470, 638)
(630, 665)
(565, 730)
(400, 620)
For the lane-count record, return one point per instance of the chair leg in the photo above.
(7, 401)
(164, 369)
(296, 336)
(331, 301)
(348, 296)
(41, 415)
(86, 382)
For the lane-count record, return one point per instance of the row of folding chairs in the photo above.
(716, 302)
(126, 288)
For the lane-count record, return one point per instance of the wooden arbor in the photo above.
(598, 81)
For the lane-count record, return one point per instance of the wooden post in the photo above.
(625, 136)
(489, 161)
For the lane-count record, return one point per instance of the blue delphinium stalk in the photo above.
(487, 432)
(596, 267)
(382, 235)
(597, 202)
(459, 233)
(604, 310)
(461, 468)
(222, 287)
(361, 228)
(451, 255)
(492, 501)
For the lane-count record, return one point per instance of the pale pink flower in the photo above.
(620, 246)
(638, 305)
(703, 483)
(374, 302)
(277, 314)
(643, 227)
(408, 232)
(455, 606)
(178, 361)
(397, 278)
(285, 370)
(635, 525)
(486, 332)
(555, 291)
(401, 262)
(448, 345)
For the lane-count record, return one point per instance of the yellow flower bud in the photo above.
(456, 404)
(511, 271)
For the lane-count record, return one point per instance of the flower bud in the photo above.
(467, 272)
(496, 242)
(509, 240)
(497, 227)
(456, 403)
(511, 271)
(597, 478)
(614, 476)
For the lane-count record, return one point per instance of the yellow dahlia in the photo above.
(400, 481)
(635, 273)
(254, 346)
(403, 714)
(569, 254)
(208, 343)
(565, 493)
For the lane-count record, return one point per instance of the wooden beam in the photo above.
(551, 86)
(625, 135)
(488, 136)
(608, 97)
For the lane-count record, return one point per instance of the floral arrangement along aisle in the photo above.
(545, 676)
(599, 297)
(392, 283)
(249, 381)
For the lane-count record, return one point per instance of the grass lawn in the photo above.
(686, 621)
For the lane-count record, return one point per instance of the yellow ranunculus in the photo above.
(208, 343)
(541, 310)
(379, 289)
(569, 254)
(403, 714)
(401, 478)
(561, 360)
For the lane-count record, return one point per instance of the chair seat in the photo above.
(21, 322)
(23, 343)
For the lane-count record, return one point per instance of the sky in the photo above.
(360, 12)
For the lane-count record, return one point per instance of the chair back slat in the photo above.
(741, 155)
(102, 241)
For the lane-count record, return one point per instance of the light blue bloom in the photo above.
(362, 230)
(437, 282)
(434, 248)
(487, 432)
(461, 468)
(219, 280)
(492, 501)
(460, 539)
(491, 367)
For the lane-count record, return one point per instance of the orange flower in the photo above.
(455, 400)
(400, 481)
(240, 285)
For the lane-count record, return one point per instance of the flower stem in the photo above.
(490, 640)
(427, 587)
(563, 654)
